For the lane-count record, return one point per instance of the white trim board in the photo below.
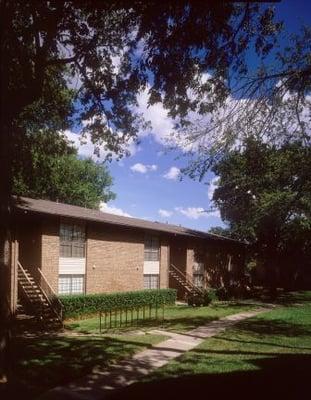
(151, 267)
(71, 265)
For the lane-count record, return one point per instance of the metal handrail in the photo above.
(51, 296)
(185, 277)
(25, 275)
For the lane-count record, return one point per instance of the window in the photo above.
(71, 284)
(198, 274)
(198, 280)
(230, 267)
(151, 281)
(72, 240)
(151, 248)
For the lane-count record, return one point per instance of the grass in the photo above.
(176, 318)
(45, 362)
(268, 356)
(272, 350)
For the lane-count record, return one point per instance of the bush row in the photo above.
(77, 305)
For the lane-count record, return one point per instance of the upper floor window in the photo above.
(152, 248)
(72, 240)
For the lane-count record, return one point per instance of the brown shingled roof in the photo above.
(67, 210)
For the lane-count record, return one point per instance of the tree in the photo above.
(48, 168)
(272, 103)
(264, 195)
(112, 50)
(218, 230)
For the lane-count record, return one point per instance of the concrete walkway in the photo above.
(98, 384)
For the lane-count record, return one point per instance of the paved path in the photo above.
(125, 372)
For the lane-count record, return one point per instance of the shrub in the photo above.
(212, 294)
(77, 305)
(203, 299)
(223, 293)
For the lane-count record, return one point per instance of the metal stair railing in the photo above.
(46, 293)
(51, 296)
(31, 284)
(185, 278)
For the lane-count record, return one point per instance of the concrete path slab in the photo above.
(101, 382)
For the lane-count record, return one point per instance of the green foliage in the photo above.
(76, 305)
(203, 299)
(218, 230)
(46, 166)
(50, 46)
(264, 194)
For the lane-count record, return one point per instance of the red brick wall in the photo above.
(164, 263)
(115, 256)
(50, 251)
(115, 259)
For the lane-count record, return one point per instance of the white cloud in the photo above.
(191, 212)
(212, 186)
(165, 213)
(143, 168)
(86, 148)
(197, 212)
(173, 173)
(104, 207)
(161, 124)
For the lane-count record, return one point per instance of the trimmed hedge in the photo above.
(76, 305)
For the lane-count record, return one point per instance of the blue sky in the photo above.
(147, 183)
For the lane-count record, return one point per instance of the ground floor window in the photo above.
(151, 281)
(71, 284)
(198, 280)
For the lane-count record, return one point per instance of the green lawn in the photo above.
(268, 356)
(42, 363)
(275, 344)
(176, 318)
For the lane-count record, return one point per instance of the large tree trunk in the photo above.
(6, 286)
(271, 266)
(5, 191)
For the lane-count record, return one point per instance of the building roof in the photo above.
(66, 210)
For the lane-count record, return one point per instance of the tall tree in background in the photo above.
(112, 50)
(46, 166)
(264, 195)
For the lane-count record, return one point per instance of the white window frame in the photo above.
(152, 248)
(199, 277)
(149, 284)
(71, 277)
(76, 239)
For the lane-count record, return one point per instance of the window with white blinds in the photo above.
(151, 281)
(70, 284)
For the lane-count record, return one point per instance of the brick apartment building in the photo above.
(79, 250)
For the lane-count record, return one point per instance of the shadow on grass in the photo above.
(260, 326)
(186, 323)
(284, 298)
(286, 376)
(38, 364)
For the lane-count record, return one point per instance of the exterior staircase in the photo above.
(39, 301)
(185, 281)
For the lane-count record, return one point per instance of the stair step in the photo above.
(38, 303)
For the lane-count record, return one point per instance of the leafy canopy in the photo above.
(48, 168)
(264, 195)
(107, 52)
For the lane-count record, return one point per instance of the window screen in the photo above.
(71, 284)
(151, 281)
(151, 248)
(72, 240)
(198, 280)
